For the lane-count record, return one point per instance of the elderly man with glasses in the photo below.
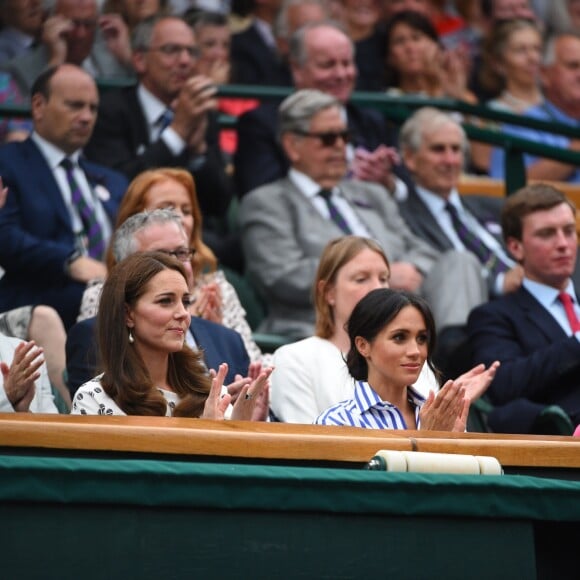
(168, 119)
(287, 223)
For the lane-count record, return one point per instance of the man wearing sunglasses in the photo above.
(321, 57)
(287, 223)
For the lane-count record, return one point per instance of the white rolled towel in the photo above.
(424, 462)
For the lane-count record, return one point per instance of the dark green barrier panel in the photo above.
(90, 518)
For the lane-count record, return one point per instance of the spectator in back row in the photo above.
(21, 26)
(166, 120)
(322, 57)
(287, 223)
(561, 85)
(70, 35)
(58, 217)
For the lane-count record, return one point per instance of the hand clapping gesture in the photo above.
(250, 395)
(448, 410)
(19, 377)
(195, 100)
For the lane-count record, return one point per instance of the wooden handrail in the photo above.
(270, 441)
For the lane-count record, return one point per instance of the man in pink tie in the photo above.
(534, 331)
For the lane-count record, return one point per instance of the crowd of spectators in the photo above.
(124, 128)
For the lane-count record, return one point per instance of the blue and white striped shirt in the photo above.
(367, 410)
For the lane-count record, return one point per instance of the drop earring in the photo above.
(131, 339)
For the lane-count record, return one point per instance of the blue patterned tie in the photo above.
(91, 227)
(335, 215)
(165, 120)
(494, 264)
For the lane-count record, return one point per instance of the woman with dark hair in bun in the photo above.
(392, 335)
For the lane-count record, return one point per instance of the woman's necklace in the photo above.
(518, 104)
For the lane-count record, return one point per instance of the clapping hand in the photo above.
(448, 410)
(217, 402)
(3, 194)
(19, 377)
(251, 395)
(376, 166)
(208, 303)
(477, 380)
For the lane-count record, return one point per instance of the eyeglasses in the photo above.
(174, 50)
(88, 23)
(182, 254)
(328, 138)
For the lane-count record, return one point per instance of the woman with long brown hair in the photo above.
(148, 367)
(215, 298)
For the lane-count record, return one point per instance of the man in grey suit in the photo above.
(433, 146)
(287, 223)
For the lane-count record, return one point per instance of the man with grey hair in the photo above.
(322, 58)
(161, 231)
(561, 86)
(286, 224)
(434, 145)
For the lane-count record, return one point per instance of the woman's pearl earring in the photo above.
(131, 339)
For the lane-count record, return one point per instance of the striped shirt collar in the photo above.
(367, 410)
(366, 397)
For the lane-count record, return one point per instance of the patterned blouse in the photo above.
(91, 399)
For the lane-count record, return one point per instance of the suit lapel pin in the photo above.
(102, 192)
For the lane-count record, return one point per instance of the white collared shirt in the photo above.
(547, 296)
(153, 109)
(436, 205)
(54, 156)
(310, 189)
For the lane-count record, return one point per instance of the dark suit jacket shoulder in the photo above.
(539, 361)
(255, 63)
(218, 344)
(36, 234)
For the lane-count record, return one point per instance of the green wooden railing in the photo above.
(398, 109)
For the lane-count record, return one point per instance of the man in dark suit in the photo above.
(321, 57)
(168, 119)
(433, 146)
(159, 230)
(255, 57)
(286, 225)
(57, 220)
(533, 331)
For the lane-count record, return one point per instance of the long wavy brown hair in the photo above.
(126, 378)
(134, 202)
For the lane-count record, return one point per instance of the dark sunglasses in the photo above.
(328, 139)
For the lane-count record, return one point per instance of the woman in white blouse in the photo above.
(311, 375)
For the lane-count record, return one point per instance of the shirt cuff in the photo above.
(175, 143)
(401, 191)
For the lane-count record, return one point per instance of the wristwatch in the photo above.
(70, 259)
